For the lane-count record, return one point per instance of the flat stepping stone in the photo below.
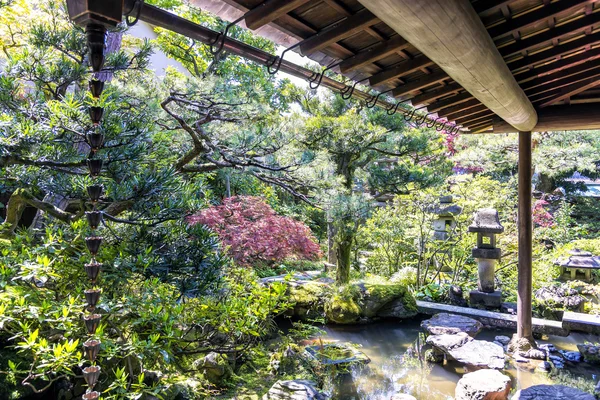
(474, 354)
(448, 324)
(485, 384)
(554, 392)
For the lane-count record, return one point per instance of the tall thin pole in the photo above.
(525, 239)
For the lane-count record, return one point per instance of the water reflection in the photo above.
(398, 366)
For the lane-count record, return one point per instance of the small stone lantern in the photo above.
(580, 260)
(486, 224)
(445, 221)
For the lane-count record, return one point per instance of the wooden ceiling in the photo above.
(551, 47)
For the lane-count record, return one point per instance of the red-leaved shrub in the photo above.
(541, 217)
(253, 232)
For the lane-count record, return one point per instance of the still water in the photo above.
(398, 366)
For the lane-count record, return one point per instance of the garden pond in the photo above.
(397, 365)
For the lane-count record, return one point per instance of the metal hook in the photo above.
(395, 108)
(441, 126)
(319, 77)
(277, 60)
(349, 90)
(372, 101)
(221, 37)
(136, 5)
(421, 120)
(412, 114)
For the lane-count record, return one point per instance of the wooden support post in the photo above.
(525, 239)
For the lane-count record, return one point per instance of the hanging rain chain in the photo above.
(96, 37)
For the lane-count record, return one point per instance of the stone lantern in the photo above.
(445, 220)
(486, 224)
(580, 260)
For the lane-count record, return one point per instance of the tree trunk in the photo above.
(331, 254)
(343, 251)
(546, 184)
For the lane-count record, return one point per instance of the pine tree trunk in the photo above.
(343, 250)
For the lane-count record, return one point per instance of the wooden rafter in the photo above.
(404, 68)
(553, 52)
(373, 54)
(269, 11)
(487, 6)
(465, 112)
(572, 90)
(575, 26)
(461, 98)
(565, 77)
(443, 112)
(436, 94)
(427, 80)
(475, 118)
(340, 31)
(534, 17)
(559, 65)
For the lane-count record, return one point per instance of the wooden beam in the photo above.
(340, 31)
(563, 81)
(559, 118)
(560, 65)
(475, 117)
(462, 106)
(451, 34)
(525, 224)
(480, 127)
(373, 54)
(464, 113)
(490, 6)
(534, 17)
(585, 67)
(269, 11)
(342, 9)
(572, 90)
(425, 81)
(436, 94)
(459, 98)
(553, 52)
(404, 68)
(535, 40)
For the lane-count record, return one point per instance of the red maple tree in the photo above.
(253, 232)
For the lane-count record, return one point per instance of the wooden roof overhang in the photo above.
(551, 48)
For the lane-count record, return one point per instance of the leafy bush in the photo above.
(146, 324)
(254, 233)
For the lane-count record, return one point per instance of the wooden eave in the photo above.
(552, 47)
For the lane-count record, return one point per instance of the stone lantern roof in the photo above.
(446, 208)
(580, 259)
(486, 220)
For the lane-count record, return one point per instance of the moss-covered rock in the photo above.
(366, 301)
(393, 300)
(308, 298)
(344, 306)
(215, 368)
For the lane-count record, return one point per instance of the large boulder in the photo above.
(355, 302)
(308, 298)
(553, 300)
(590, 352)
(485, 384)
(294, 390)
(389, 300)
(474, 354)
(554, 392)
(215, 368)
(449, 324)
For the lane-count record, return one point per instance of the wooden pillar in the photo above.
(525, 239)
